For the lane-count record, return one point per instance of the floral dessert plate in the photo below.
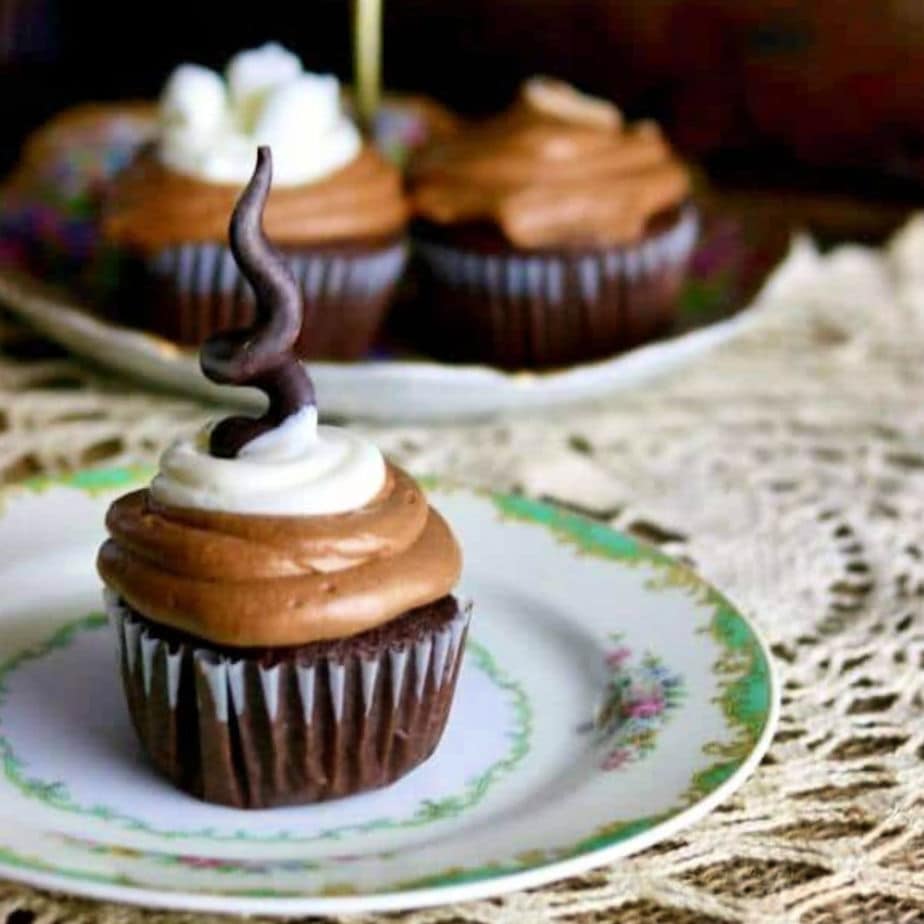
(386, 388)
(608, 698)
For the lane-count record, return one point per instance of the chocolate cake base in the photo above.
(188, 292)
(482, 300)
(256, 728)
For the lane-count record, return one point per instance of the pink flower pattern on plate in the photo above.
(639, 699)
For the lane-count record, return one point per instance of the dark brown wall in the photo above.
(835, 83)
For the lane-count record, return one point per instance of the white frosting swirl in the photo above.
(297, 469)
(211, 127)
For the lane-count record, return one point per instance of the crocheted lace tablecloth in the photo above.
(788, 468)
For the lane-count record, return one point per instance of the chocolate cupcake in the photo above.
(550, 234)
(337, 211)
(282, 595)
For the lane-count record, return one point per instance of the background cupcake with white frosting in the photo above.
(283, 595)
(337, 209)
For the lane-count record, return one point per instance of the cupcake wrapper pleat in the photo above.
(240, 733)
(190, 291)
(551, 307)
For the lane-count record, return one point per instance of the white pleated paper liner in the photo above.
(237, 732)
(551, 307)
(190, 291)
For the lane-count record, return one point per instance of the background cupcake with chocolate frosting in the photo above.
(282, 594)
(337, 210)
(550, 234)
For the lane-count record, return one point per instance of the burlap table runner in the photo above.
(789, 469)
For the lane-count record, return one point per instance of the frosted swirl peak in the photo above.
(297, 469)
(212, 125)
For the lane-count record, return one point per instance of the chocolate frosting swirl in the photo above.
(557, 169)
(247, 581)
(260, 355)
(150, 207)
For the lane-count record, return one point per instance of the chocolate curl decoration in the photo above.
(259, 356)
